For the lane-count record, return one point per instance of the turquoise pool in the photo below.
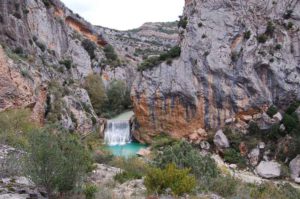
(127, 150)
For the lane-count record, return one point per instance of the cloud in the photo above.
(126, 14)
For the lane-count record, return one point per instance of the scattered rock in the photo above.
(220, 140)
(295, 168)
(254, 156)
(270, 169)
(144, 152)
(246, 118)
(261, 145)
(230, 121)
(204, 145)
(278, 117)
(282, 128)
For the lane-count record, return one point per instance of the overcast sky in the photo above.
(126, 14)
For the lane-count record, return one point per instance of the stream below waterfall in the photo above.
(118, 137)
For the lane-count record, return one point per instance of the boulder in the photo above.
(246, 118)
(220, 140)
(268, 169)
(229, 121)
(254, 156)
(144, 152)
(278, 117)
(295, 168)
(204, 145)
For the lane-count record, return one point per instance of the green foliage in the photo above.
(55, 105)
(247, 35)
(110, 53)
(134, 168)
(96, 91)
(290, 25)
(67, 63)
(161, 141)
(289, 122)
(182, 23)
(234, 157)
(15, 127)
(185, 156)
(90, 47)
(19, 51)
(288, 14)
(178, 180)
(154, 61)
(225, 186)
(272, 111)
(56, 160)
(293, 107)
(278, 47)
(262, 38)
(90, 191)
(270, 29)
(118, 98)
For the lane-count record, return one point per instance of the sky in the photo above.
(126, 14)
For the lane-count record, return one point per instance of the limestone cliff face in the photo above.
(238, 57)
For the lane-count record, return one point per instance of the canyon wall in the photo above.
(237, 58)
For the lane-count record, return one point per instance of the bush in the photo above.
(118, 98)
(183, 155)
(293, 107)
(41, 46)
(178, 180)
(154, 61)
(225, 186)
(278, 47)
(67, 63)
(262, 38)
(134, 168)
(182, 23)
(289, 122)
(270, 29)
(90, 47)
(247, 35)
(56, 160)
(96, 91)
(110, 53)
(15, 127)
(234, 157)
(90, 191)
(272, 111)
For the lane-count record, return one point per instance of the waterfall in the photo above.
(117, 132)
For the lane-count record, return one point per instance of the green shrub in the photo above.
(225, 186)
(270, 29)
(290, 25)
(133, 168)
(183, 155)
(278, 47)
(182, 23)
(90, 47)
(67, 63)
(154, 61)
(288, 14)
(95, 88)
(19, 51)
(47, 3)
(247, 35)
(262, 38)
(234, 157)
(293, 107)
(118, 98)
(272, 111)
(178, 180)
(90, 191)
(15, 127)
(56, 160)
(110, 53)
(289, 122)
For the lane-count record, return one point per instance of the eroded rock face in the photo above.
(221, 72)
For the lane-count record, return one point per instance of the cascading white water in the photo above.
(117, 132)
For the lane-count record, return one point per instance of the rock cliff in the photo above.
(237, 58)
